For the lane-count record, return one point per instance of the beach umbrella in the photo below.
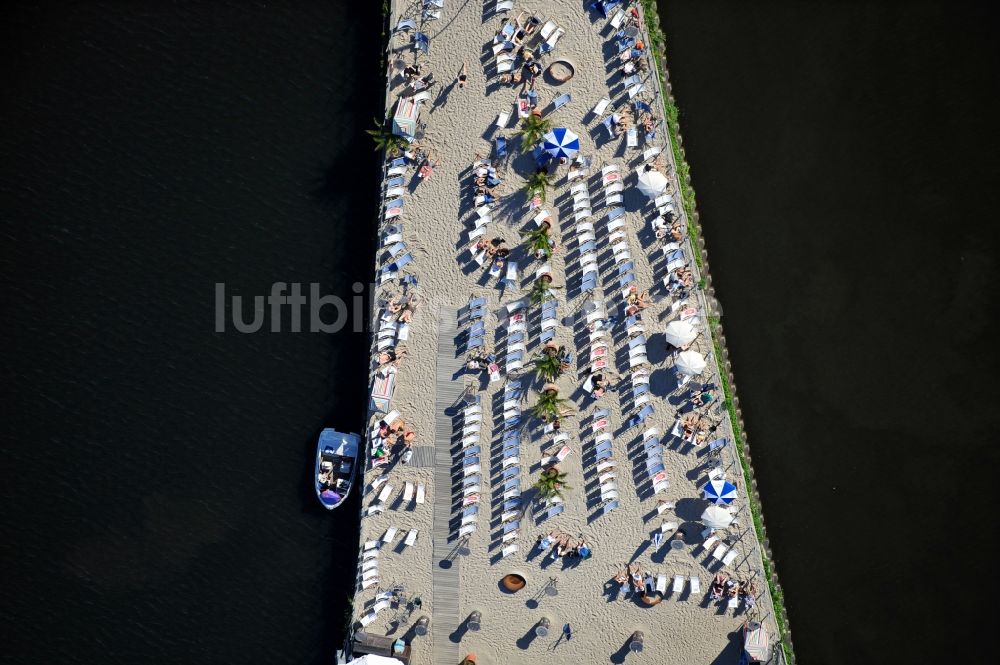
(652, 183)
(561, 142)
(717, 517)
(690, 362)
(371, 659)
(680, 333)
(719, 492)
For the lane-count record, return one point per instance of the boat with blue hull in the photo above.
(336, 459)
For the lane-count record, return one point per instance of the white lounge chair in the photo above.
(661, 583)
(507, 551)
(385, 493)
(678, 584)
(730, 557)
(720, 552)
(390, 534)
(503, 119)
(695, 584)
(411, 537)
(601, 107)
(467, 530)
(408, 492)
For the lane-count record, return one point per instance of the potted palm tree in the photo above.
(549, 405)
(548, 366)
(541, 290)
(392, 144)
(537, 184)
(551, 484)
(537, 242)
(533, 128)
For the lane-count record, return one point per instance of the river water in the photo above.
(156, 496)
(844, 157)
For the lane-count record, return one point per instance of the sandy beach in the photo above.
(444, 576)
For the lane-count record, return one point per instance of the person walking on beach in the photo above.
(463, 76)
(567, 631)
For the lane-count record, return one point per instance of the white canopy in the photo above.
(690, 362)
(680, 333)
(652, 183)
(717, 517)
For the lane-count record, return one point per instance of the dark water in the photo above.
(845, 159)
(156, 505)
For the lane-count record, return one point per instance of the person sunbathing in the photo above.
(677, 232)
(483, 245)
(636, 575)
(719, 586)
(391, 356)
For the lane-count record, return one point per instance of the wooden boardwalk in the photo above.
(445, 582)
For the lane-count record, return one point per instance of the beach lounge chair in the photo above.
(664, 506)
(385, 493)
(405, 24)
(503, 119)
(408, 492)
(632, 138)
(650, 153)
(609, 124)
(719, 551)
(509, 462)
(678, 584)
(467, 530)
(367, 619)
(503, 6)
(507, 551)
(561, 101)
(500, 147)
(417, 99)
(601, 107)
(411, 537)
(695, 583)
(390, 534)
(511, 526)
(609, 506)
(471, 470)
(548, 29)
(552, 512)
(661, 583)
(604, 466)
(730, 557)
(550, 43)
(618, 18)
(421, 42)
(369, 582)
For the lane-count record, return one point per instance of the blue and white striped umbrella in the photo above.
(719, 492)
(561, 142)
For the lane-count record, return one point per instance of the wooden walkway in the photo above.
(445, 583)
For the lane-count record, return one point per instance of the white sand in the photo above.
(436, 215)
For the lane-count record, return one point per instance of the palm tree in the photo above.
(533, 128)
(548, 366)
(551, 483)
(549, 405)
(537, 184)
(537, 240)
(385, 140)
(541, 290)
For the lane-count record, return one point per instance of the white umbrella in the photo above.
(690, 362)
(652, 183)
(370, 659)
(717, 517)
(680, 333)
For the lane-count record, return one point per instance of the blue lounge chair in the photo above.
(640, 417)
(500, 147)
(560, 101)
(609, 124)
(422, 42)
(511, 526)
(589, 282)
(394, 182)
(395, 203)
(512, 472)
(475, 342)
(641, 106)
(624, 43)
(404, 260)
(609, 506)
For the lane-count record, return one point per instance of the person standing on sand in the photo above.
(567, 631)
(463, 76)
